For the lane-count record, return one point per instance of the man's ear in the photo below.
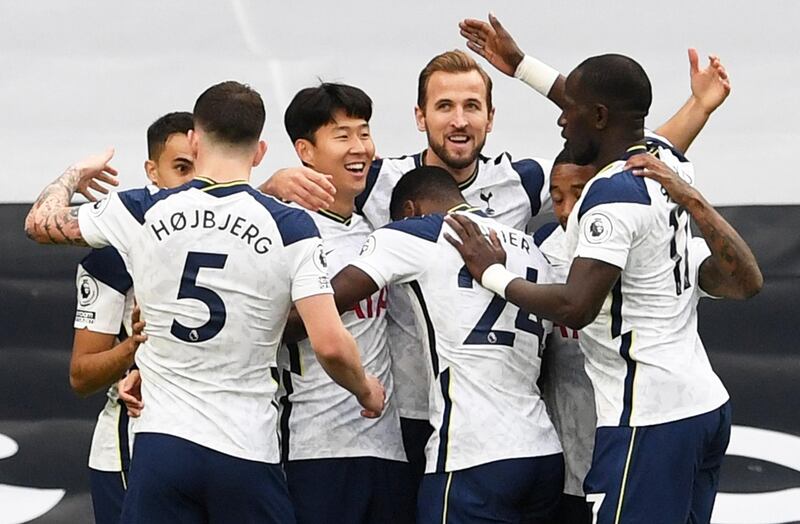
(601, 116)
(419, 115)
(410, 209)
(305, 151)
(194, 141)
(491, 121)
(151, 171)
(260, 152)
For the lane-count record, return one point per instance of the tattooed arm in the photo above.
(51, 220)
(732, 270)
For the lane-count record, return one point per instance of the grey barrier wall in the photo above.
(753, 346)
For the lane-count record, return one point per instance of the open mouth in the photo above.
(458, 139)
(355, 168)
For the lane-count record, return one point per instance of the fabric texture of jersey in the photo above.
(509, 191)
(567, 390)
(215, 268)
(643, 353)
(483, 352)
(104, 305)
(319, 418)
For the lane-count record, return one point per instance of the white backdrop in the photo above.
(78, 76)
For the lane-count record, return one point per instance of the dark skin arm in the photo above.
(732, 270)
(574, 304)
(97, 362)
(350, 286)
(494, 43)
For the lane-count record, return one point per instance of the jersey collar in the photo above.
(419, 161)
(336, 217)
(633, 150)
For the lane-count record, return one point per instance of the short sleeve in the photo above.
(101, 308)
(396, 256)
(607, 232)
(308, 268)
(106, 222)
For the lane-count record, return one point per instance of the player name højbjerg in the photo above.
(206, 219)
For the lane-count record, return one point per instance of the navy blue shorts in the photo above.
(358, 490)
(666, 473)
(515, 490)
(175, 481)
(108, 494)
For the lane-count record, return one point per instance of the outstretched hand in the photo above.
(492, 42)
(711, 85)
(95, 169)
(477, 251)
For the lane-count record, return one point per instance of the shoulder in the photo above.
(545, 232)
(139, 201)
(621, 187)
(426, 227)
(293, 223)
(108, 266)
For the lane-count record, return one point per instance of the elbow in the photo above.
(32, 229)
(79, 385)
(333, 347)
(754, 285)
(578, 316)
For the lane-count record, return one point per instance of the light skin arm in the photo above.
(732, 270)
(51, 220)
(710, 87)
(97, 362)
(337, 352)
(574, 304)
(301, 185)
(494, 43)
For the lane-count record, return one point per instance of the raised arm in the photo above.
(51, 220)
(710, 87)
(494, 43)
(732, 270)
(337, 352)
(574, 304)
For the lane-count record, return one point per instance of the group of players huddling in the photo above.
(253, 400)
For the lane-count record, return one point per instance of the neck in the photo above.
(223, 166)
(616, 143)
(343, 204)
(459, 175)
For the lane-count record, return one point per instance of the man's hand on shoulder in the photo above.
(301, 185)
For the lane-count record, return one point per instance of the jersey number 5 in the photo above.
(190, 289)
(484, 332)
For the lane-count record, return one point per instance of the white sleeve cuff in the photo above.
(536, 74)
(496, 279)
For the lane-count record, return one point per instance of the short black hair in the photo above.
(314, 107)
(160, 130)
(232, 113)
(564, 157)
(616, 81)
(425, 182)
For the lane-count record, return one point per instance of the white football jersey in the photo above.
(643, 354)
(216, 268)
(319, 418)
(483, 353)
(566, 388)
(511, 192)
(104, 305)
